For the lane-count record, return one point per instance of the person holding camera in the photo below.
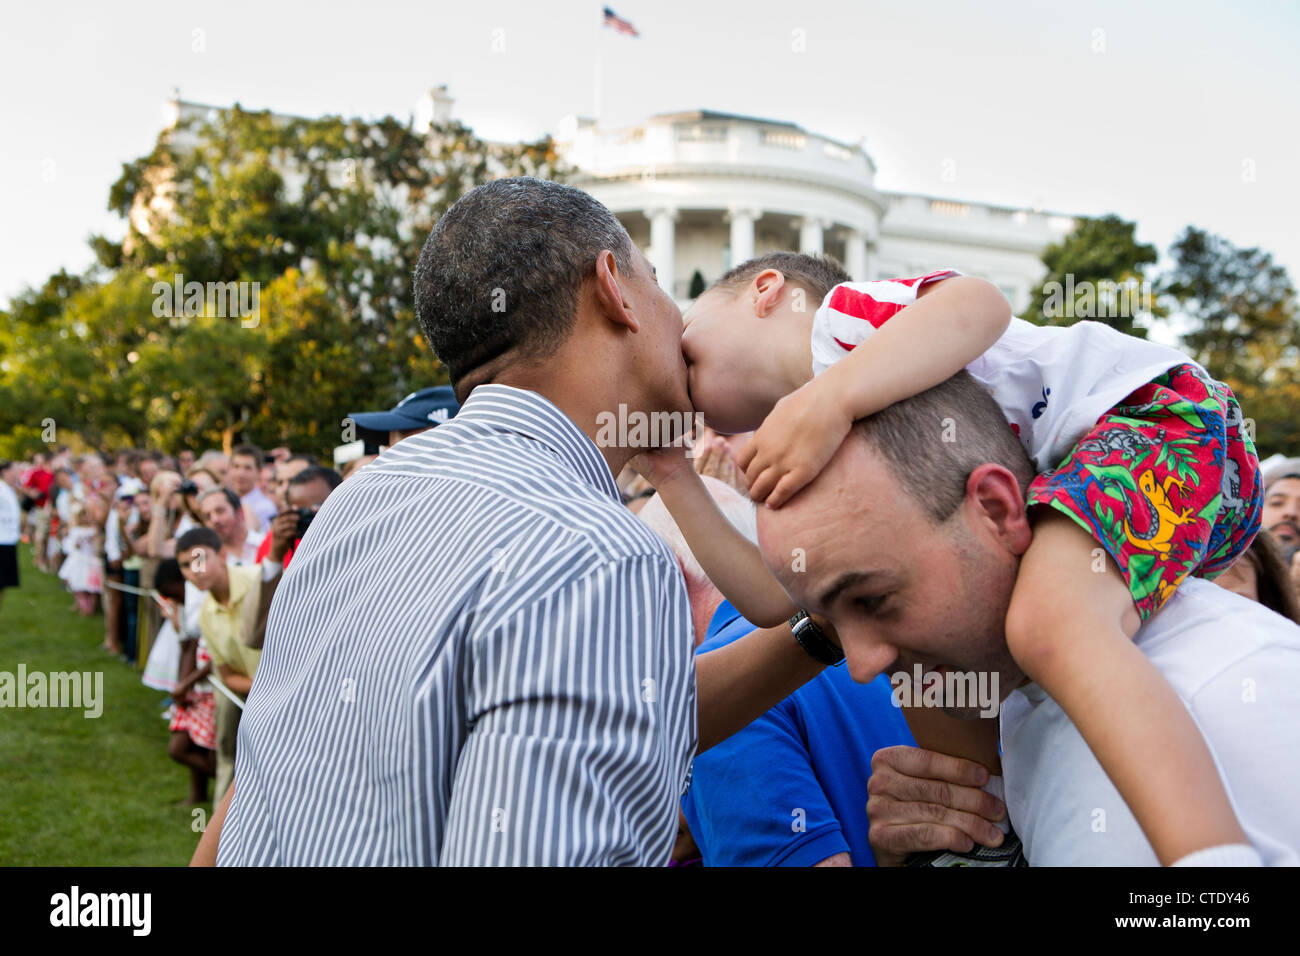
(306, 492)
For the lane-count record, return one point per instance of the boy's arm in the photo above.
(951, 323)
(726, 556)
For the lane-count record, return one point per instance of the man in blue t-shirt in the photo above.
(791, 788)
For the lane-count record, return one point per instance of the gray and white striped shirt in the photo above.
(476, 656)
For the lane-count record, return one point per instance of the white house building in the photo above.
(703, 191)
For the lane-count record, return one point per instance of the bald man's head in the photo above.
(909, 540)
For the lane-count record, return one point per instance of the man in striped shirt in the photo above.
(478, 656)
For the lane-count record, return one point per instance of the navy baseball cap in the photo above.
(422, 409)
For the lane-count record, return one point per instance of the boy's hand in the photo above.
(793, 444)
(659, 466)
(713, 460)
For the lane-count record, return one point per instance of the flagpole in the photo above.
(598, 81)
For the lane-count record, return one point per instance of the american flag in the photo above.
(613, 20)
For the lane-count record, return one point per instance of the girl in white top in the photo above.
(81, 570)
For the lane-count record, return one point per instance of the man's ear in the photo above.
(768, 287)
(994, 495)
(610, 298)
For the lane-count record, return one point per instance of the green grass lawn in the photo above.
(76, 791)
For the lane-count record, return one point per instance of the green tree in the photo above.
(1241, 309)
(76, 367)
(698, 285)
(1097, 272)
(324, 217)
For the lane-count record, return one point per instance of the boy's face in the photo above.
(202, 567)
(661, 376)
(721, 344)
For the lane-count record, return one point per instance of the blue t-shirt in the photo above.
(791, 788)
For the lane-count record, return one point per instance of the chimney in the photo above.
(441, 104)
(171, 110)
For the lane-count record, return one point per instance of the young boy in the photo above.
(227, 621)
(1138, 450)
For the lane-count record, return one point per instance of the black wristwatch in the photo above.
(814, 640)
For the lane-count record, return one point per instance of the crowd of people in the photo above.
(514, 639)
(153, 543)
(112, 535)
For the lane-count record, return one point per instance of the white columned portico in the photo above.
(855, 255)
(810, 236)
(869, 270)
(663, 243)
(742, 234)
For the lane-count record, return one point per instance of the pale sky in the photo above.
(1167, 113)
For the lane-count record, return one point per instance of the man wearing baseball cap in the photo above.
(417, 412)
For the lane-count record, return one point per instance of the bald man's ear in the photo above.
(610, 299)
(768, 286)
(994, 494)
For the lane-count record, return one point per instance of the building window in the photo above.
(701, 134)
(951, 209)
(781, 139)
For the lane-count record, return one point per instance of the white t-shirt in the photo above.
(1236, 665)
(11, 515)
(1052, 384)
(262, 506)
(248, 554)
(113, 543)
(63, 505)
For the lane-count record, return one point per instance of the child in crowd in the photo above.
(194, 724)
(1137, 450)
(81, 570)
(228, 618)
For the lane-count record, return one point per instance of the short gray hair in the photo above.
(501, 271)
(232, 499)
(933, 441)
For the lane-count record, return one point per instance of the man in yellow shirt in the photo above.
(228, 622)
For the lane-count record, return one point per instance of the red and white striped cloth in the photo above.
(1052, 383)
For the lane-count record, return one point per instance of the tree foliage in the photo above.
(1088, 273)
(1240, 307)
(325, 218)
